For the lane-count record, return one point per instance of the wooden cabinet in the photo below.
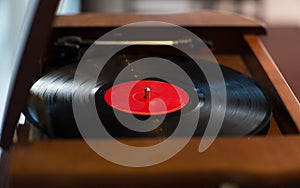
(265, 160)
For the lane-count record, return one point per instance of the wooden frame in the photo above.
(243, 161)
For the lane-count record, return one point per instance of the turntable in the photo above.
(254, 146)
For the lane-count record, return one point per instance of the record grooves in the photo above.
(248, 110)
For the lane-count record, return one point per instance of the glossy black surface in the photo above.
(248, 110)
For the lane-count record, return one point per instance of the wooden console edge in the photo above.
(280, 84)
(268, 161)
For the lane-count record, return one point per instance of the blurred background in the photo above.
(272, 12)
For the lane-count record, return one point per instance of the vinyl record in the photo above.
(248, 110)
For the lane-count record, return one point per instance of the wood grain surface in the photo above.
(247, 162)
(198, 18)
(283, 89)
(283, 44)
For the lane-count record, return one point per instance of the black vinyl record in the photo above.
(248, 110)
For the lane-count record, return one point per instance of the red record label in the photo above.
(146, 97)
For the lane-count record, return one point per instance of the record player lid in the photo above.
(26, 31)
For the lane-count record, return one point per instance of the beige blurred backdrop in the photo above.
(272, 12)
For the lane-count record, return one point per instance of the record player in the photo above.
(266, 155)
